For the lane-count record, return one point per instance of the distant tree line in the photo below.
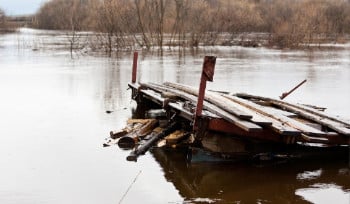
(9, 24)
(121, 24)
(2, 20)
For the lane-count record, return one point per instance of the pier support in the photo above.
(207, 75)
(134, 68)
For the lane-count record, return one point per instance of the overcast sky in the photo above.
(20, 7)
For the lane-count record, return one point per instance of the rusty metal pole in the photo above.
(207, 75)
(285, 94)
(134, 67)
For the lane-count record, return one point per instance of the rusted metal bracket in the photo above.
(207, 75)
(285, 94)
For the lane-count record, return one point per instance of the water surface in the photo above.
(53, 124)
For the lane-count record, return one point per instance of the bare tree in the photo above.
(196, 22)
(113, 21)
(76, 14)
(181, 15)
(2, 19)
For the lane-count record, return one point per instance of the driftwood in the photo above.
(130, 127)
(130, 140)
(149, 143)
(176, 137)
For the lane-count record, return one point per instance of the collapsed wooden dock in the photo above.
(226, 123)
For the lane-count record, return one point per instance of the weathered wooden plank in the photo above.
(279, 111)
(318, 108)
(323, 121)
(284, 119)
(275, 124)
(152, 95)
(245, 125)
(175, 137)
(256, 117)
(268, 134)
(336, 124)
(214, 99)
(280, 103)
(182, 112)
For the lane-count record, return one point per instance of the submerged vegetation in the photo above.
(124, 24)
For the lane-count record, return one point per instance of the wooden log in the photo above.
(149, 143)
(130, 127)
(245, 125)
(115, 135)
(214, 99)
(118, 134)
(129, 141)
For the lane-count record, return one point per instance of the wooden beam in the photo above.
(283, 119)
(214, 99)
(301, 107)
(275, 124)
(245, 125)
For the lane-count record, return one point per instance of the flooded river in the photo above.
(54, 121)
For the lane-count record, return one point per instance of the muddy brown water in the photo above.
(54, 121)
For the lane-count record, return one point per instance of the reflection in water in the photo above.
(292, 182)
(309, 175)
(324, 193)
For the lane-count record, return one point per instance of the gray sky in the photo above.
(20, 7)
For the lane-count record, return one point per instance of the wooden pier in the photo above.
(230, 123)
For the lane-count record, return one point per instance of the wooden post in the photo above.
(134, 67)
(207, 75)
